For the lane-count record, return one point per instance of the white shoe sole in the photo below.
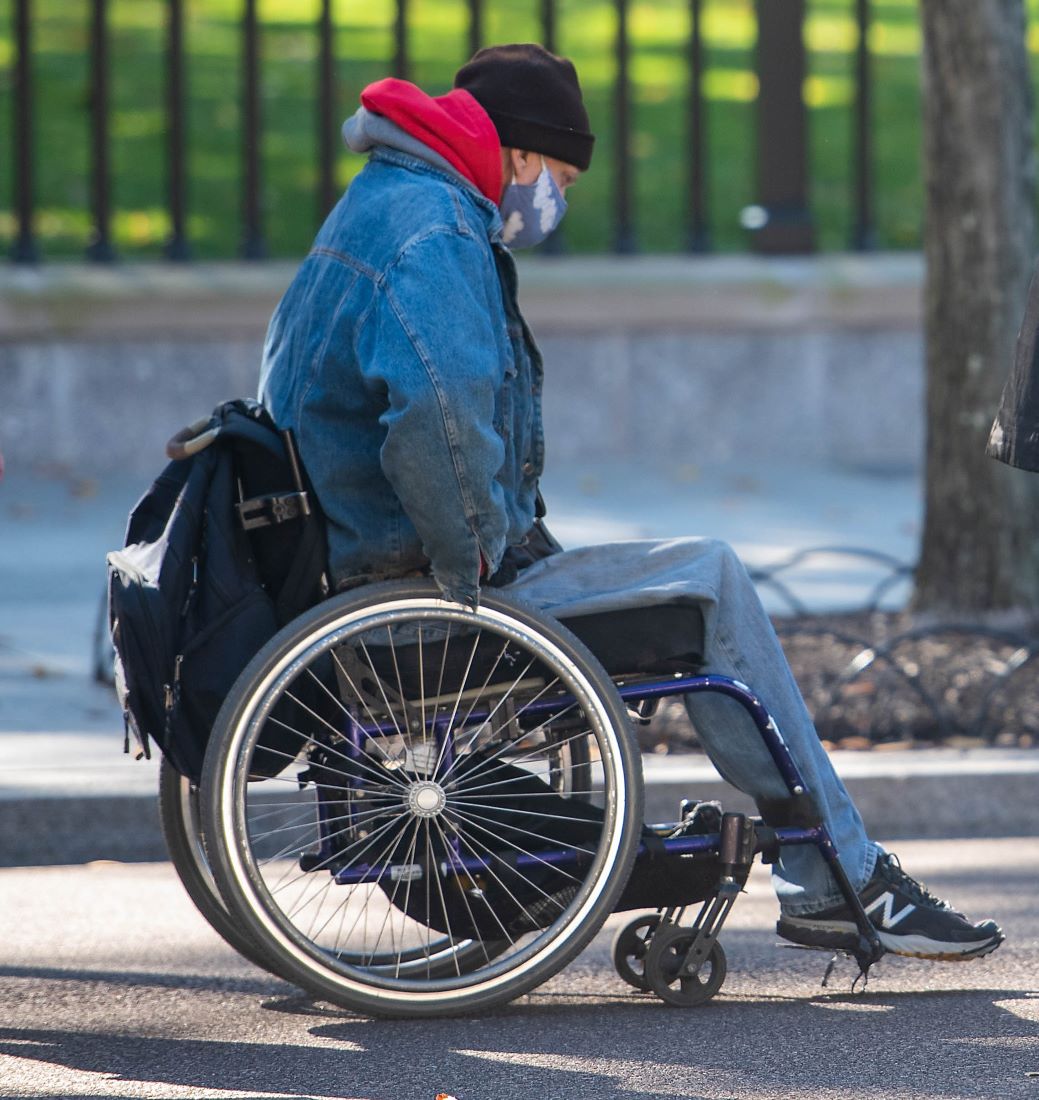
(835, 934)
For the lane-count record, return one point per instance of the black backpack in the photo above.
(227, 546)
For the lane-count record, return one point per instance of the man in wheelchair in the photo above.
(400, 359)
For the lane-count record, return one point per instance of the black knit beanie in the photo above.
(534, 100)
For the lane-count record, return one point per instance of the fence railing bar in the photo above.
(555, 245)
(100, 248)
(864, 231)
(327, 142)
(23, 249)
(177, 247)
(253, 247)
(549, 31)
(401, 61)
(698, 238)
(782, 160)
(624, 230)
(475, 25)
(782, 139)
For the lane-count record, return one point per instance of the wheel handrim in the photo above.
(419, 804)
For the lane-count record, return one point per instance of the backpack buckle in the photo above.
(270, 510)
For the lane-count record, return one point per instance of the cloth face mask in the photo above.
(531, 211)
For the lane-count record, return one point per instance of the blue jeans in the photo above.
(740, 643)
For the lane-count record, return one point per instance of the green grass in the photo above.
(438, 46)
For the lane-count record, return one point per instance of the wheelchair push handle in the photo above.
(192, 439)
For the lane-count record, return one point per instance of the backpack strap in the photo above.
(272, 508)
(251, 423)
(248, 430)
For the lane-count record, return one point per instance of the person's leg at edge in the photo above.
(908, 918)
(738, 641)
(742, 645)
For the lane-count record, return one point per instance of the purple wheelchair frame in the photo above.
(739, 840)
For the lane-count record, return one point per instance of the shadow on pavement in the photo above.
(935, 1043)
(959, 1043)
(197, 1064)
(136, 979)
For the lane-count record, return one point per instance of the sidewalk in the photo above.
(67, 794)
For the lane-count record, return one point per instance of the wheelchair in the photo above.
(413, 808)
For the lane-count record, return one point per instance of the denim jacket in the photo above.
(399, 358)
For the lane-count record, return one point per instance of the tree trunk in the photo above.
(981, 529)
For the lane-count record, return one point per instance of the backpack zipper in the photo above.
(192, 587)
(171, 693)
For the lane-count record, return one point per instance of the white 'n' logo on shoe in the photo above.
(888, 918)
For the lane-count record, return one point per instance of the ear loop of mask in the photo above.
(531, 211)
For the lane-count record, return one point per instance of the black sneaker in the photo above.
(909, 919)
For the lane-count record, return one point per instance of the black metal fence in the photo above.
(781, 220)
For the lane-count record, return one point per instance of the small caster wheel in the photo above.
(665, 956)
(630, 946)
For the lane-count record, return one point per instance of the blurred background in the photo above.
(153, 143)
(272, 74)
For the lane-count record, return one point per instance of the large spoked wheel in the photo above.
(415, 808)
(182, 831)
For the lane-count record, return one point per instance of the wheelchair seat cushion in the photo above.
(641, 605)
(664, 638)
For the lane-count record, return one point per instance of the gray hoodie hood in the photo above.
(364, 130)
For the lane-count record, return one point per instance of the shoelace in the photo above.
(891, 870)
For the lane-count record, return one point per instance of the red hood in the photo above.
(453, 125)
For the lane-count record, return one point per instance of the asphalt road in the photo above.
(111, 985)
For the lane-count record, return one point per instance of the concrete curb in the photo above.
(908, 796)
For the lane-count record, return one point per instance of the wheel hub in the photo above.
(426, 798)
